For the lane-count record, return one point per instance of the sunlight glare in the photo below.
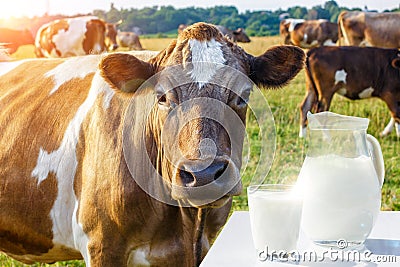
(21, 8)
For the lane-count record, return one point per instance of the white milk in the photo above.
(341, 198)
(275, 220)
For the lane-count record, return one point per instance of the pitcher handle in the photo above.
(377, 157)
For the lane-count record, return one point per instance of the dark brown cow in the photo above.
(129, 39)
(237, 35)
(75, 37)
(369, 29)
(309, 33)
(94, 167)
(12, 39)
(356, 73)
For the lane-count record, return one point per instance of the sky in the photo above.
(31, 8)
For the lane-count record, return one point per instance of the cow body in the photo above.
(356, 73)
(358, 28)
(308, 33)
(237, 35)
(130, 40)
(75, 37)
(94, 167)
(12, 39)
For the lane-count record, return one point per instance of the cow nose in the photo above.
(115, 46)
(189, 178)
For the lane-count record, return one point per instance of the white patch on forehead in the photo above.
(63, 162)
(75, 67)
(366, 93)
(340, 76)
(6, 67)
(209, 52)
(70, 42)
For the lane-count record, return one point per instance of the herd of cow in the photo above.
(357, 57)
(71, 37)
(98, 163)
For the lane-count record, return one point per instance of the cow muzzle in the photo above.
(201, 183)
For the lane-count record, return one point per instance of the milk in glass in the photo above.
(275, 219)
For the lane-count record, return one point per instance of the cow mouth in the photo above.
(213, 194)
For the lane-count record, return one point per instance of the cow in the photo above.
(238, 35)
(129, 39)
(75, 37)
(357, 28)
(102, 163)
(353, 72)
(308, 33)
(12, 39)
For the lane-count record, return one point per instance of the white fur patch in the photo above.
(389, 127)
(63, 162)
(138, 257)
(70, 42)
(75, 67)
(81, 240)
(340, 76)
(366, 93)
(205, 52)
(329, 42)
(293, 23)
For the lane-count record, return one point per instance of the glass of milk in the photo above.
(275, 215)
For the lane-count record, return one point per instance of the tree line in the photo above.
(162, 20)
(165, 19)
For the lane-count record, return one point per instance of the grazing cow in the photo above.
(75, 37)
(356, 73)
(94, 167)
(237, 35)
(12, 39)
(358, 28)
(129, 39)
(308, 33)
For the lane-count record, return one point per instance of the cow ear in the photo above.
(396, 63)
(125, 72)
(277, 66)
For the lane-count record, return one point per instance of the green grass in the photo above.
(290, 149)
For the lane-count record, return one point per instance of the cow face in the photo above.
(111, 35)
(195, 128)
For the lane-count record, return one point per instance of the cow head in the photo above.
(194, 130)
(240, 36)
(111, 35)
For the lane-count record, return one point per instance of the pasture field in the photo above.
(290, 149)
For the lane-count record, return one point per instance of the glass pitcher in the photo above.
(341, 179)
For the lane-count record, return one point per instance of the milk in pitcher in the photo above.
(341, 198)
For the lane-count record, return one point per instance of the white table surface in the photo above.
(234, 246)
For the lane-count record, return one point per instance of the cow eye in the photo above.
(240, 101)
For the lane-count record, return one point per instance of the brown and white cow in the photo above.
(12, 39)
(357, 28)
(356, 73)
(238, 35)
(94, 167)
(129, 39)
(308, 33)
(75, 37)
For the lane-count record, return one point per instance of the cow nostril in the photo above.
(203, 177)
(186, 178)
